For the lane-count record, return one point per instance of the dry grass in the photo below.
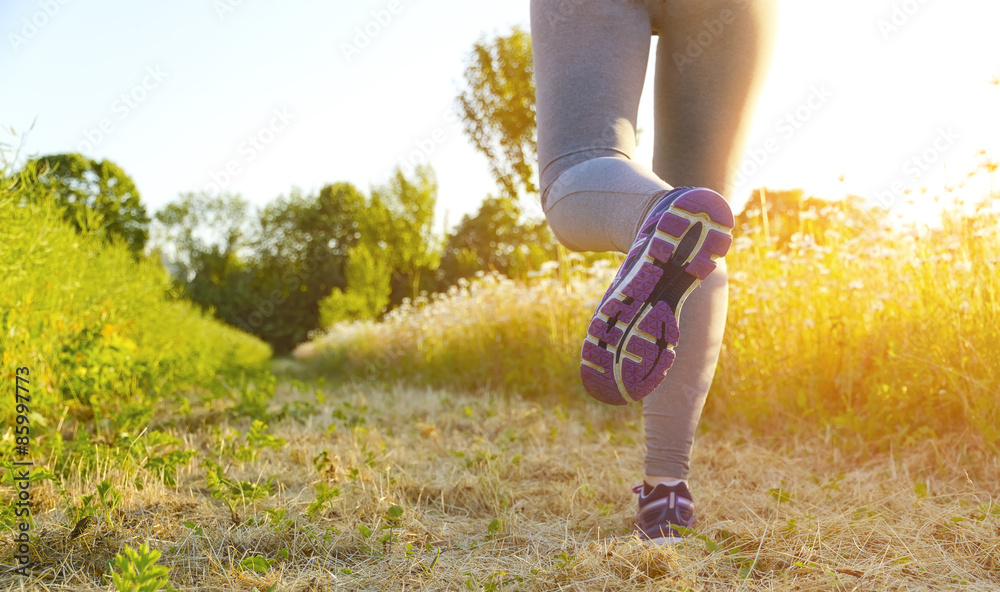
(557, 481)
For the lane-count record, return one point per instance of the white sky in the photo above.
(224, 68)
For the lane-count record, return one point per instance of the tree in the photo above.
(197, 226)
(86, 188)
(299, 257)
(779, 214)
(399, 223)
(301, 226)
(206, 238)
(368, 288)
(496, 239)
(498, 110)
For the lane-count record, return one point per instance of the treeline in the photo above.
(307, 260)
(304, 260)
(310, 259)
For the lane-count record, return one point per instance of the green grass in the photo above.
(108, 350)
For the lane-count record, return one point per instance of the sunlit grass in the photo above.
(492, 333)
(877, 337)
(104, 343)
(889, 335)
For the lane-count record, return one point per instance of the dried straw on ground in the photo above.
(504, 494)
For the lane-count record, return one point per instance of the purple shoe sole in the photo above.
(631, 339)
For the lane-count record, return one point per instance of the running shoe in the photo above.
(631, 339)
(662, 510)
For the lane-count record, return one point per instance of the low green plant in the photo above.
(138, 571)
(257, 564)
(252, 396)
(160, 459)
(86, 509)
(246, 448)
(324, 496)
(234, 492)
(391, 520)
(493, 528)
(258, 438)
(110, 499)
(278, 519)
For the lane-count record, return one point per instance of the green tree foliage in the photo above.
(200, 226)
(498, 109)
(203, 236)
(368, 280)
(299, 256)
(311, 259)
(93, 195)
(399, 225)
(266, 272)
(324, 225)
(496, 239)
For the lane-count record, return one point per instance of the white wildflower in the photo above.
(548, 267)
(742, 243)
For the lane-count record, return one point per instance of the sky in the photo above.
(870, 97)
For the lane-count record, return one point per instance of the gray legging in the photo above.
(590, 64)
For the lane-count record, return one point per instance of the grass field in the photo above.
(850, 441)
(500, 493)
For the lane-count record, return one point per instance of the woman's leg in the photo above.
(590, 61)
(702, 108)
